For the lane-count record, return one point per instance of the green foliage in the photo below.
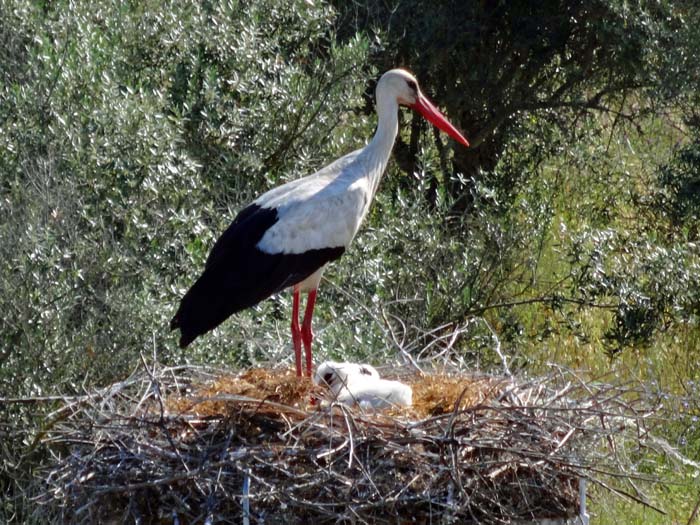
(679, 195)
(522, 74)
(651, 285)
(131, 133)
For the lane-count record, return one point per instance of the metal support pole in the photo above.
(246, 499)
(583, 513)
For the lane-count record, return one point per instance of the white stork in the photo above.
(359, 384)
(287, 236)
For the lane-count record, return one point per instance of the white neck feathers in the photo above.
(376, 154)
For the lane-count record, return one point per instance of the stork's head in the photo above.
(402, 85)
(337, 375)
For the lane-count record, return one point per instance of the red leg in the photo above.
(307, 334)
(296, 331)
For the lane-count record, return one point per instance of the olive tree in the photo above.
(510, 72)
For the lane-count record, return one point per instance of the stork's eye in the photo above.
(365, 371)
(412, 84)
(328, 378)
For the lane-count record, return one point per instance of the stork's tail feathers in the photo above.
(211, 300)
(184, 338)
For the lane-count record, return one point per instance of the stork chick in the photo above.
(359, 384)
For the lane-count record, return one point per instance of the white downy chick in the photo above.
(360, 384)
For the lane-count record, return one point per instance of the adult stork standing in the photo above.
(287, 236)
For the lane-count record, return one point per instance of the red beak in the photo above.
(433, 115)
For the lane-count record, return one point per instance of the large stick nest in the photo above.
(193, 445)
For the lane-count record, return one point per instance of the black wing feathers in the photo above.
(247, 228)
(238, 275)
